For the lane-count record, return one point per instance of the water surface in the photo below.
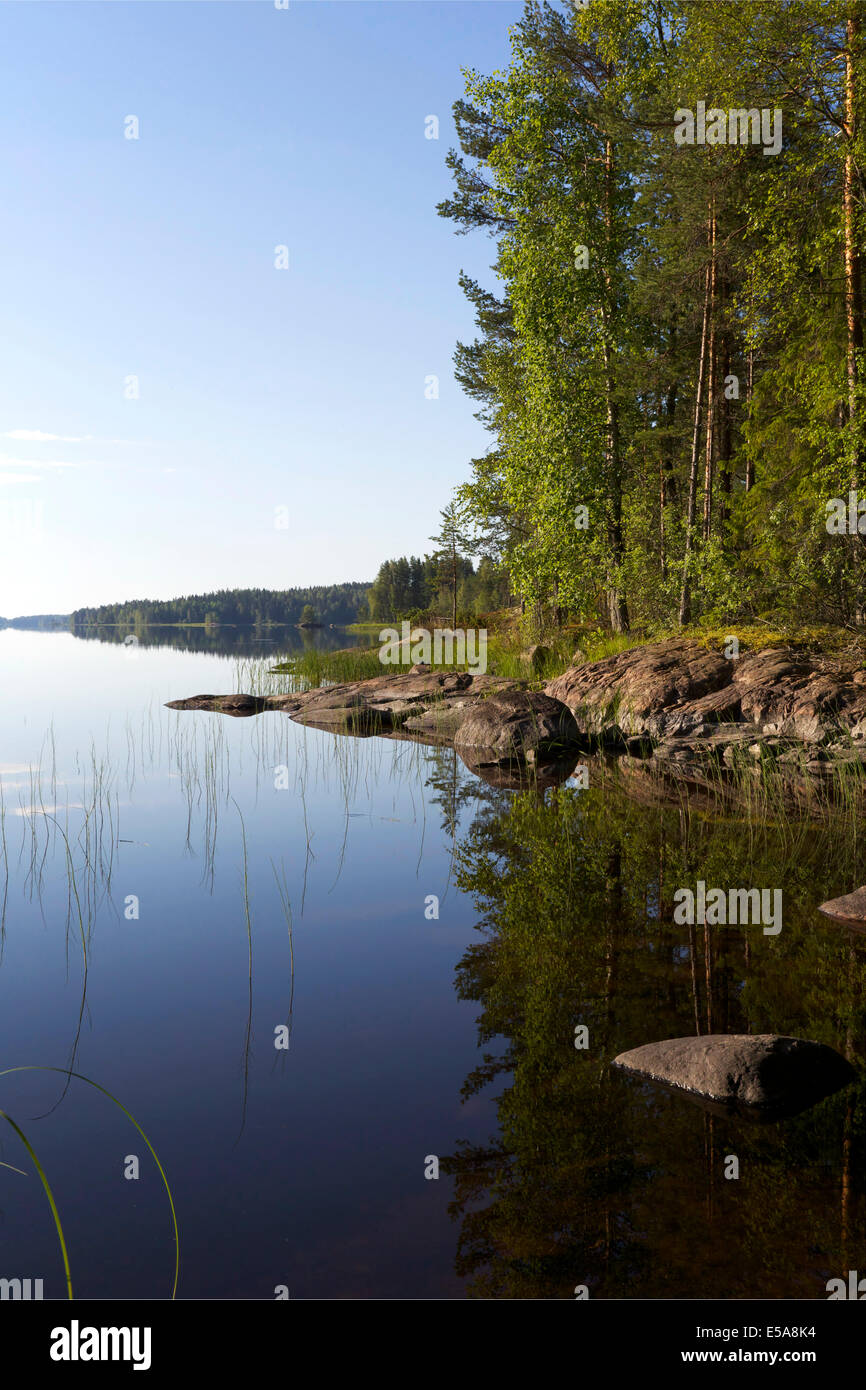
(285, 878)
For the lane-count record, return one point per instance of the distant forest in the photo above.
(38, 622)
(404, 587)
(332, 603)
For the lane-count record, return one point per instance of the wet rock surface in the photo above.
(516, 726)
(760, 1072)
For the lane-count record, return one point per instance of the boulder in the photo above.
(508, 727)
(639, 688)
(754, 1071)
(850, 908)
(679, 688)
(612, 738)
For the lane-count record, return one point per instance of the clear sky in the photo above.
(154, 258)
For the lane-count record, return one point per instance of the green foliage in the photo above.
(586, 367)
(411, 588)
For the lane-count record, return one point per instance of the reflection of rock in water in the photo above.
(521, 776)
(763, 1075)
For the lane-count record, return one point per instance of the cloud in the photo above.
(41, 437)
(7, 462)
(8, 478)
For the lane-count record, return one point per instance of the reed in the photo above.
(9, 1071)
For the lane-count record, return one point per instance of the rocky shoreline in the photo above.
(677, 716)
(686, 710)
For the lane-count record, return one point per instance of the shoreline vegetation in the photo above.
(706, 713)
(512, 652)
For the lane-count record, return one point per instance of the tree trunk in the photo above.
(685, 595)
(750, 460)
(454, 588)
(711, 386)
(726, 411)
(662, 504)
(853, 292)
(617, 606)
(853, 295)
(667, 482)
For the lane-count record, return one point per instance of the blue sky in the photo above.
(258, 388)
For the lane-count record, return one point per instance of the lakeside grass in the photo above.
(508, 641)
(506, 644)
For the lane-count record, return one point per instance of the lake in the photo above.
(184, 891)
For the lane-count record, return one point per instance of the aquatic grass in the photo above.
(9, 1071)
(49, 1194)
(74, 889)
(13, 1169)
(282, 889)
(760, 792)
(313, 668)
(246, 890)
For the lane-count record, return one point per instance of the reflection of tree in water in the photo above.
(452, 786)
(594, 1179)
(277, 642)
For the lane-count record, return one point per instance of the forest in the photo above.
(670, 359)
(410, 586)
(402, 587)
(334, 603)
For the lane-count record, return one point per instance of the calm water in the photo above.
(409, 1036)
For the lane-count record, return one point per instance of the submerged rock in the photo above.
(850, 908)
(754, 1071)
(514, 727)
